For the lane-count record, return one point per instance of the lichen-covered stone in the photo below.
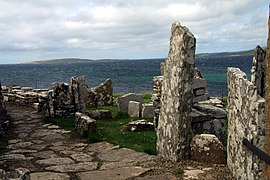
(78, 93)
(206, 148)
(134, 109)
(174, 126)
(245, 120)
(84, 124)
(148, 111)
(99, 114)
(104, 93)
(123, 101)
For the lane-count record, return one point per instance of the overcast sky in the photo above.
(96, 29)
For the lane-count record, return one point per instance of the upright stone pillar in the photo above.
(267, 103)
(78, 93)
(174, 127)
(258, 70)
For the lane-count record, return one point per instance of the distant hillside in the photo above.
(59, 61)
(226, 54)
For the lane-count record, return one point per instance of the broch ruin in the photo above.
(189, 124)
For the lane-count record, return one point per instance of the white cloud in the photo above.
(125, 28)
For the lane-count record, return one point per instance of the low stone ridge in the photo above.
(134, 109)
(123, 101)
(64, 99)
(99, 114)
(206, 148)
(84, 124)
(138, 125)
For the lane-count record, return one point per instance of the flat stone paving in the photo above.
(52, 153)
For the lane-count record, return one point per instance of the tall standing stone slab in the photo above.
(78, 92)
(174, 127)
(267, 102)
(258, 70)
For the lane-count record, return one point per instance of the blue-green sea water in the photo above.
(127, 75)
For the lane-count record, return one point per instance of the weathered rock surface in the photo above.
(77, 158)
(138, 125)
(148, 111)
(84, 124)
(123, 101)
(134, 109)
(99, 114)
(245, 120)
(174, 125)
(207, 148)
(104, 93)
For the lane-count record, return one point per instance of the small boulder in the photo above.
(84, 124)
(138, 125)
(207, 148)
(123, 101)
(134, 109)
(148, 111)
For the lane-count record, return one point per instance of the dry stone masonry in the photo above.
(245, 120)
(174, 126)
(104, 93)
(63, 99)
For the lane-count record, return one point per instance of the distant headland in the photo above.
(200, 55)
(59, 61)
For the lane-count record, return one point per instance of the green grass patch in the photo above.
(147, 97)
(67, 123)
(110, 130)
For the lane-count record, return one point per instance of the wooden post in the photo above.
(267, 103)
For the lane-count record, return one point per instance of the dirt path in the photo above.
(45, 151)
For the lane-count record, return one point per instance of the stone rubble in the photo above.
(138, 125)
(99, 114)
(84, 124)
(207, 148)
(64, 99)
(104, 93)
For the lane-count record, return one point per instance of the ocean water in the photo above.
(127, 75)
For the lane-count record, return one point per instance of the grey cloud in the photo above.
(135, 26)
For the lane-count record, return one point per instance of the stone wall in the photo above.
(174, 126)
(258, 70)
(245, 120)
(104, 93)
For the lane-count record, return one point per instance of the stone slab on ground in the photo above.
(112, 174)
(49, 176)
